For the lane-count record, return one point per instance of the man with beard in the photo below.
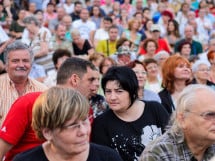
(15, 83)
(58, 40)
(77, 9)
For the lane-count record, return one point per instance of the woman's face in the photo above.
(202, 72)
(185, 51)
(141, 74)
(151, 47)
(182, 72)
(152, 70)
(135, 25)
(76, 39)
(107, 64)
(117, 98)
(95, 11)
(171, 26)
(73, 138)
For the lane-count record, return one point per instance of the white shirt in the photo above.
(84, 27)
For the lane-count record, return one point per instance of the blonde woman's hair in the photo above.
(56, 106)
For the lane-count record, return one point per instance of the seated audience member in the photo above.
(150, 46)
(211, 60)
(129, 124)
(162, 43)
(161, 57)
(191, 137)
(196, 46)
(122, 56)
(153, 81)
(108, 46)
(102, 32)
(16, 82)
(176, 72)
(141, 73)
(59, 56)
(185, 49)
(201, 73)
(60, 116)
(82, 47)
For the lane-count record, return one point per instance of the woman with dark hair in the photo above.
(176, 72)
(96, 16)
(173, 34)
(185, 49)
(141, 74)
(130, 124)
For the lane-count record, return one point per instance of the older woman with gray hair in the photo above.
(191, 137)
(201, 73)
(60, 116)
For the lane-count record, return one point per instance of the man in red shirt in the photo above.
(16, 134)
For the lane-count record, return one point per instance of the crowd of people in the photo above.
(89, 80)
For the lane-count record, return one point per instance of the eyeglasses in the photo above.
(210, 116)
(76, 126)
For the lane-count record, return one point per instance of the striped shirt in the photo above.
(171, 147)
(8, 93)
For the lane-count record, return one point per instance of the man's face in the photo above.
(61, 31)
(107, 24)
(188, 32)
(84, 15)
(78, 8)
(60, 13)
(18, 64)
(113, 33)
(198, 123)
(86, 85)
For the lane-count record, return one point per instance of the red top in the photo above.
(17, 129)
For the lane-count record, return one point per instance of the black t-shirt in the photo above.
(130, 138)
(97, 153)
(84, 50)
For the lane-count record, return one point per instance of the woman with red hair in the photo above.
(176, 72)
(211, 59)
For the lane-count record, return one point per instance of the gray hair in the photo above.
(17, 45)
(186, 101)
(196, 65)
(75, 32)
(30, 19)
(161, 53)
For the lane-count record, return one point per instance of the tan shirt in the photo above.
(8, 93)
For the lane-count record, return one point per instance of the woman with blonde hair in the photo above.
(60, 116)
(82, 47)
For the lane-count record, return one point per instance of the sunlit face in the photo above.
(96, 11)
(84, 15)
(152, 70)
(107, 24)
(19, 64)
(76, 38)
(117, 98)
(72, 139)
(85, 85)
(106, 66)
(182, 72)
(185, 51)
(151, 48)
(194, 123)
(113, 33)
(61, 31)
(202, 72)
(141, 74)
(171, 26)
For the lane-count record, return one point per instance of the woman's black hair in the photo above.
(126, 78)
